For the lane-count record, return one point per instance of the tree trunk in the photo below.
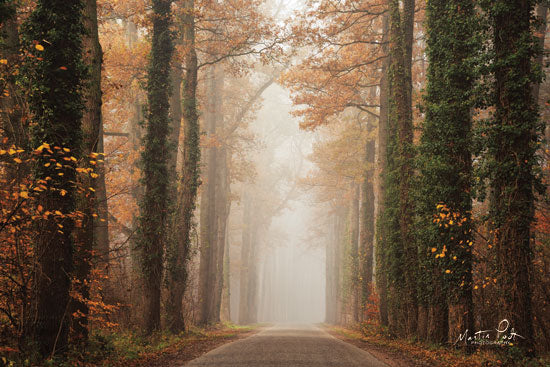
(354, 255)
(244, 310)
(174, 313)
(101, 222)
(333, 266)
(209, 222)
(223, 206)
(401, 256)
(57, 128)
(154, 206)
(366, 249)
(381, 162)
(187, 191)
(253, 286)
(512, 147)
(86, 204)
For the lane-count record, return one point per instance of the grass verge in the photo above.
(409, 353)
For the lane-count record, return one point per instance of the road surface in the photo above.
(288, 346)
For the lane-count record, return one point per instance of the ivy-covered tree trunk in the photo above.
(179, 253)
(381, 172)
(154, 205)
(511, 139)
(176, 114)
(366, 236)
(399, 253)
(444, 204)
(53, 32)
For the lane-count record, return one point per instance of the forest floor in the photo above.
(406, 353)
(171, 350)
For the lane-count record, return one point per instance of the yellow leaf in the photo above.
(39, 47)
(447, 271)
(3, 61)
(58, 212)
(24, 194)
(17, 160)
(434, 249)
(63, 192)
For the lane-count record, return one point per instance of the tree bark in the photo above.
(57, 116)
(402, 256)
(173, 309)
(354, 255)
(187, 191)
(154, 206)
(512, 148)
(86, 204)
(381, 162)
(209, 223)
(366, 249)
(246, 245)
(223, 207)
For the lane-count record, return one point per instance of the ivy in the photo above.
(154, 205)
(53, 74)
(443, 188)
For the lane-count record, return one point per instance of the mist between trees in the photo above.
(166, 165)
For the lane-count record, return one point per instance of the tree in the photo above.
(511, 136)
(183, 221)
(444, 188)
(397, 249)
(366, 235)
(86, 204)
(53, 33)
(210, 204)
(154, 205)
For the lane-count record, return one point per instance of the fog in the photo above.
(291, 266)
